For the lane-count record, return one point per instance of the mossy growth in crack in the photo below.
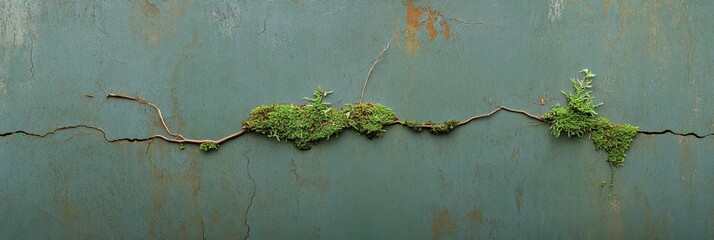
(437, 128)
(579, 118)
(304, 125)
(207, 146)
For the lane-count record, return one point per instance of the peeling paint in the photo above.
(16, 22)
(555, 10)
(228, 18)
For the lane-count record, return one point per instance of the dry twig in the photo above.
(378, 59)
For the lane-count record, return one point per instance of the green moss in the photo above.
(304, 125)
(369, 118)
(579, 118)
(207, 146)
(568, 120)
(417, 126)
(437, 128)
(614, 138)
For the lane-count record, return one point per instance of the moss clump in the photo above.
(369, 118)
(303, 125)
(614, 138)
(579, 118)
(437, 128)
(207, 146)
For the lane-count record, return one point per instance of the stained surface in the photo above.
(208, 63)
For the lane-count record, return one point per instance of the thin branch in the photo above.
(479, 117)
(376, 60)
(499, 109)
(142, 101)
(181, 138)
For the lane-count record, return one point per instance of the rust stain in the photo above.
(181, 177)
(441, 224)
(617, 223)
(413, 16)
(414, 23)
(156, 22)
(149, 9)
(447, 29)
(476, 217)
(185, 54)
(430, 24)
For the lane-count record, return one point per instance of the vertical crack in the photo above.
(250, 203)
(32, 59)
(203, 229)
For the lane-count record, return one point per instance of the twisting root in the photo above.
(180, 138)
(499, 109)
(142, 101)
(482, 116)
(378, 59)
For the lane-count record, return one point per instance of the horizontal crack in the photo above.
(182, 139)
(666, 131)
(479, 117)
(243, 131)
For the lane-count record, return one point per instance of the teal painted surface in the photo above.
(208, 63)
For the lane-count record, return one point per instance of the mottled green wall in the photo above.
(208, 63)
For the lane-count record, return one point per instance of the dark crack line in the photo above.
(250, 203)
(48, 214)
(666, 131)
(104, 135)
(243, 131)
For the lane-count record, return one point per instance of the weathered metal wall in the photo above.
(208, 63)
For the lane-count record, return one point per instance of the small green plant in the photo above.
(304, 125)
(579, 118)
(182, 146)
(207, 146)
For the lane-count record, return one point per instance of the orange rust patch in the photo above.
(430, 24)
(441, 224)
(415, 22)
(413, 16)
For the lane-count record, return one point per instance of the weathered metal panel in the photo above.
(208, 63)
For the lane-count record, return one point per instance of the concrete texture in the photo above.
(208, 63)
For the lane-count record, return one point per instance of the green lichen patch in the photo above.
(579, 118)
(437, 128)
(304, 125)
(208, 146)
